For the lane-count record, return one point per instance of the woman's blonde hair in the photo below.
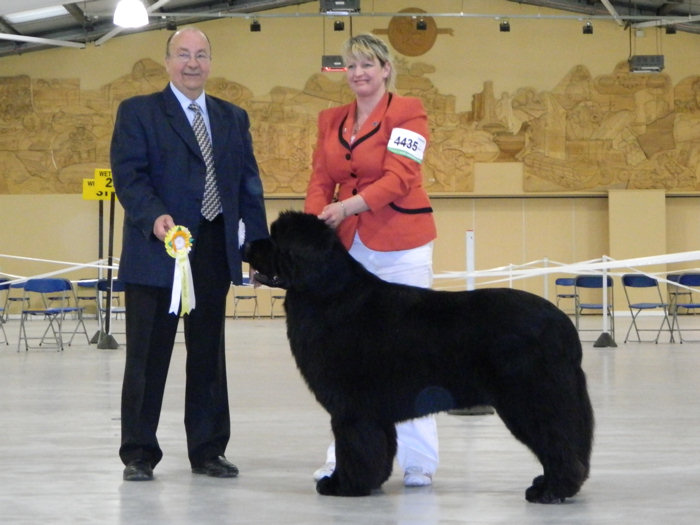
(369, 46)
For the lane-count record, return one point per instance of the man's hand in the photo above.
(161, 226)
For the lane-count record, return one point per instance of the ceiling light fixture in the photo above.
(338, 25)
(504, 26)
(255, 26)
(587, 28)
(130, 13)
(670, 30)
(421, 25)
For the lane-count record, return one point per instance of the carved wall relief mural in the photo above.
(620, 130)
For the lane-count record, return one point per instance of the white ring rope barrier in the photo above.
(591, 267)
(601, 267)
(501, 274)
(70, 267)
(509, 273)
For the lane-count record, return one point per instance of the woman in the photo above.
(367, 183)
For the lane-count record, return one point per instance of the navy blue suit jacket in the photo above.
(158, 169)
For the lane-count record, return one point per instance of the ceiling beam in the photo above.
(7, 27)
(668, 21)
(613, 12)
(44, 41)
(77, 13)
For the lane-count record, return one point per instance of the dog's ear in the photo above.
(309, 255)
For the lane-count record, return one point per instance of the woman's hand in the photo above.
(333, 214)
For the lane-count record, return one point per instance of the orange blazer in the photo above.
(383, 165)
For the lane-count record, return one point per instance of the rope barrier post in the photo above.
(470, 259)
(106, 340)
(477, 410)
(100, 254)
(510, 275)
(605, 339)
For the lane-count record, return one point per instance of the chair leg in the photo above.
(80, 322)
(255, 306)
(633, 325)
(273, 301)
(670, 329)
(57, 334)
(22, 332)
(674, 324)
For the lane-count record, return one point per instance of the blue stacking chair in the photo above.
(566, 290)
(686, 280)
(118, 308)
(245, 292)
(4, 289)
(11, 298)
(594, 281)
(51, 300)
(635, 282)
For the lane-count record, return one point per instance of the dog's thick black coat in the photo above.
(375, 353)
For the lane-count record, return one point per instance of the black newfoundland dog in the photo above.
(375, 353)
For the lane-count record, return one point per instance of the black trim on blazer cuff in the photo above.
(410, 211)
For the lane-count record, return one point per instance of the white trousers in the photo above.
(417, 439)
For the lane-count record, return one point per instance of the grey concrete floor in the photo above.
(59, 415)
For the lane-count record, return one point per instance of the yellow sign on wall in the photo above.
(99, 188)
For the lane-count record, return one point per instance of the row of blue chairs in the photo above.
(54, 301)
(679, 287)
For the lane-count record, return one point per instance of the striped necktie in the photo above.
(211, 203)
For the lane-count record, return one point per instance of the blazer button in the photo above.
(353, 175)
(354, 191)
(347, 156)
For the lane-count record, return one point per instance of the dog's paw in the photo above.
(540, 493)
(327, 486)
(331, 486)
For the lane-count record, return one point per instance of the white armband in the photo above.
(407, 143)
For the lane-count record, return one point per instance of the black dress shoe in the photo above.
(139, 470)
(218, 467)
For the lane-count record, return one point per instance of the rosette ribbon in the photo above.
(178, 243)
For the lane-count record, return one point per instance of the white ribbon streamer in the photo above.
(182, 284)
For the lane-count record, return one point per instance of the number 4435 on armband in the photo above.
(407, 143)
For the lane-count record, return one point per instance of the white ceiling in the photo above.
(91, 20)
(15, 6)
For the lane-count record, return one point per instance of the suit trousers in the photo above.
(150, 336)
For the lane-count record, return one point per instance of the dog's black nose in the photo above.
(271, 281)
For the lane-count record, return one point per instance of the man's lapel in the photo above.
(178, 121)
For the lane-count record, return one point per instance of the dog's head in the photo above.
(302, 253)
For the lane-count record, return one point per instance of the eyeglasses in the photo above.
(186, 57)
